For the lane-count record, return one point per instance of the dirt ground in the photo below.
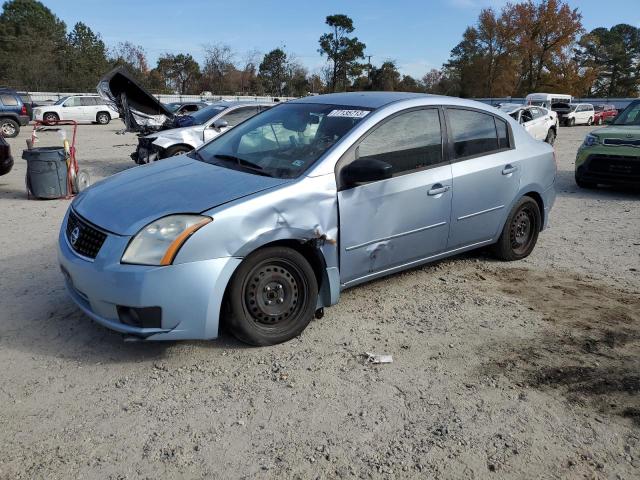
(500, 370)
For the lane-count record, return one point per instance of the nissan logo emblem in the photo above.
(75, 234)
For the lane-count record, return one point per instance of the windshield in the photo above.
(61, 101)
(630, 115)
(207, 113)
(283, 141)
(172, 107)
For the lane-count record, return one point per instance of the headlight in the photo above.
(591, 140)
(159, 242)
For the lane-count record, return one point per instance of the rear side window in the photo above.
(87, 101)
(407, 142)
(476, 133)
(239, 115)
(9, 100)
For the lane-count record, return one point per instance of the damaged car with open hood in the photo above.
(162, 132)
(262, 228)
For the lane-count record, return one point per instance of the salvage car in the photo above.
(80, 108)
(611, 155)
(542, 124)
(206, 125)
(6, 160)
(185, 108)
(264, 226)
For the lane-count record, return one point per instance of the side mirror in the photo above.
(366, 170)
(219, 124)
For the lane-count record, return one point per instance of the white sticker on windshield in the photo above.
(348, 113)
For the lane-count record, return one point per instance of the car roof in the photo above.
(362, 99)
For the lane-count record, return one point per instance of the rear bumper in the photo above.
(548, 199)
(24, 120)
(189, 295)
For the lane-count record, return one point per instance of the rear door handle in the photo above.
(437, 189)
(509, 169)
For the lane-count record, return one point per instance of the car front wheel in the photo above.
(520, 231)
(175, 151)
(272, 296)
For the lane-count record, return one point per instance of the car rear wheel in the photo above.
(551, 136)
(590, 121)
(50, 118)
(520, 231)
(272, 296)
(9, 128)
(103, 118)
(175, 151)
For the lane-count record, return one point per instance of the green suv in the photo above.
(611, 155)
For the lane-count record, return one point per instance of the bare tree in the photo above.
(218, 63)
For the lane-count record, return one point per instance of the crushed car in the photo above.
(197, 128)
(542, 124)
(263, 227)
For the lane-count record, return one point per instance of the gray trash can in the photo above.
(46, 172)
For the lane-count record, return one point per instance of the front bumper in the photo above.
(189, 294)
(608, 165)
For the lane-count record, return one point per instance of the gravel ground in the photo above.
(521, 370)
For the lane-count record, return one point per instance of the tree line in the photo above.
(523, 47)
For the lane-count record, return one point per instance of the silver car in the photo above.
(264, 226)
(206, 124)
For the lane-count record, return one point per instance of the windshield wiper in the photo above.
(241, 162)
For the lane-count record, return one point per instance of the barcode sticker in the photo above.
(348, 113)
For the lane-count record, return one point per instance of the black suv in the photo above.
(13, 113)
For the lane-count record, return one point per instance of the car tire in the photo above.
(9, 128)
(50, 118)
(520, 232)
(571, 122)
(272, 296)
(176, 150)
(590, 122)
(587, 185)
(103, 118)
(551, 136)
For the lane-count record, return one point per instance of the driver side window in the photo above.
(408, 142)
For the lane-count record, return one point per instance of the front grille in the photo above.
(84, 238)
(614, 166)
(621, 142)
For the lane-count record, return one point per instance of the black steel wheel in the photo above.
(551, 136)
(520, 231)
(273, 296)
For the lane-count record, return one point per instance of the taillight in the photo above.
(24, 109)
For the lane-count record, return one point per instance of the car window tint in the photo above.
(503, 133)
(87, 101)
(473, 133)
(73, 102)
(409, 141)
(239, 115)
(9, 100)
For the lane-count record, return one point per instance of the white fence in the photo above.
(48, 96)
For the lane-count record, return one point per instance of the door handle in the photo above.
(437, 189)
(509, 169)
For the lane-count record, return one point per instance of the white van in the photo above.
(546, 100)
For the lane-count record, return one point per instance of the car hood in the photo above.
(618, 131)
(177, 132)
(126, 202)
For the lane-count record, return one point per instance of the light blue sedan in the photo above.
(264, 226)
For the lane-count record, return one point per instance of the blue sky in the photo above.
(417, 34)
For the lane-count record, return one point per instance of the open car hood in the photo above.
(141, 111)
